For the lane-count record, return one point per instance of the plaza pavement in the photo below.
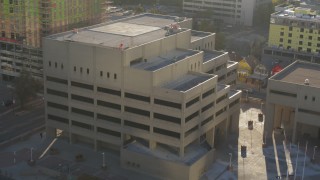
(261, 163)
(62, 165)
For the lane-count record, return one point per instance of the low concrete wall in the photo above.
(165, 169)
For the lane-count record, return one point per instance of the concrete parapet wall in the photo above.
(165, 169)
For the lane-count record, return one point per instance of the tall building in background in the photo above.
(24, 22)
(147, 86)
(237, 12)
(294, 34)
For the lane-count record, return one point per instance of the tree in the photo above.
(139, 9)
(220, 41)
(256, 48)
(25, 86)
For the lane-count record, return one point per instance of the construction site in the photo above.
(23, 23)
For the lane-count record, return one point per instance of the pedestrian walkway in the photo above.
(278, 159)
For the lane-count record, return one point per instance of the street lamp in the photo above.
(103, 161)
(314, 152)
(304, 162)
(31, 159)
(247, 95)
(230, 166)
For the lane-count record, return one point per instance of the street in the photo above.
(17, 122)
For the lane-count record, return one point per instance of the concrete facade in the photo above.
(237, 12)
(293, 101)
(24, 23)
(147, 86)
(294, 34)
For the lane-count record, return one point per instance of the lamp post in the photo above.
(14, 157)
(230, 166)
(314, 152)
(305, 157)
(296, 168)
(247, 95)
(103, 161)
(31, 159)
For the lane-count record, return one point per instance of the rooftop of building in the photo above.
(196, 35)
(193, 152)
(221, 87)
(187, 82)
(212, 55)
(161, 61)
(299, 72)
(298, 13)
(233, 92)
(231, 63)
(126, 32)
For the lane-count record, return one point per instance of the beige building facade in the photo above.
(293, 101)
(147, 86)
(236, 12)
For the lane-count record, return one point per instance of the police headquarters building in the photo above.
(147, 86)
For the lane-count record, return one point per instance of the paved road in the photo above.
(19, 122)
(5, 94)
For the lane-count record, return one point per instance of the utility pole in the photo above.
(295, 170)
(103, 160)
(305, 157)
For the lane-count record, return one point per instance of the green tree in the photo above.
(25, 86)
(139, 9)
(205, 25)
(220, 41)
(256, 48)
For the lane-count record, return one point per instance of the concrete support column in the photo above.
(70, 137)
(227, 128)
(152, 144)
(294, 133)
(294, 129)
(181, 153)
(210, 137)
(235, 122)
(95, 147)
(269, 119)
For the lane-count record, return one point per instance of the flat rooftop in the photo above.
(187, 82)
(129, 32)
(195, 35)
(221, 87)
(211, 55)
(231, 63)
(298, 14)
(159, 62)
(233, 92)
(298, 72)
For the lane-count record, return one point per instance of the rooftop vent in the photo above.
(306, 82)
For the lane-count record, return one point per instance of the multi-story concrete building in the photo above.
(146, 86)
(239, 12)
(24, 23)
(294, 34)
(293, 101)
